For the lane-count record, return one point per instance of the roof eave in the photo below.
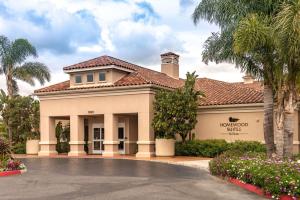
(68, 71)
(109, 88)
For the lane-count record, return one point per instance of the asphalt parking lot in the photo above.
(74, 178)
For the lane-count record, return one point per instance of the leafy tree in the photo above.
(13, 55)
(22, 115)
(175, 112)
(219, 47)
(163, 122)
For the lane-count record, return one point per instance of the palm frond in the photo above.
(5, 46)
(219, 12)
(218, 48)
(288, 28)
(253, 32)
(32, 70)
(20, 50)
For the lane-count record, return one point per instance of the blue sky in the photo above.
(69, 31)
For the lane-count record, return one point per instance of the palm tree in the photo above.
(256, 36)
(220, 47)
(275, 42)
(13, 55)
(286, 25)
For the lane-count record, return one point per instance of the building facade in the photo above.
(109, 104)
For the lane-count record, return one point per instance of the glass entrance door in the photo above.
(121, 137)
(98, 138)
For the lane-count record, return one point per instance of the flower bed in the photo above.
(275, 177)
(9, 166)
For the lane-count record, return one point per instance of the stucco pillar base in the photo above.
(110, 153)
(110, 148)
(77, 153)
(47, 148)
(47, 153)
(145, 149)
(76, 148)
(145, 154)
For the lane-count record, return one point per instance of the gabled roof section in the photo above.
(138, 76)
(101, 62)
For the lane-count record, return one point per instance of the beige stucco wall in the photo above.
(111, 75)
(214, 124)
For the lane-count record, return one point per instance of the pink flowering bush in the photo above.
(7, 163)
(274, 176)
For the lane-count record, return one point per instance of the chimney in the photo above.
(170, 65)
(248, 78)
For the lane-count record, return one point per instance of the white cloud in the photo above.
(69, 31)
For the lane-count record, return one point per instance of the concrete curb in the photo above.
(257, 190)
(14, 172)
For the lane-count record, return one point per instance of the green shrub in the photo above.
(204, 148)
(63, 147)
(212, 148)
(247, 146)
(5, 152)
(273, 176)
(19, 148)
(296, 156)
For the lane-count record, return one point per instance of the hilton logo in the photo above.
(233, 126)
(231, 119)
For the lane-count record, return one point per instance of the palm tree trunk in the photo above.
(10, 91)
(279, 124)
(289, 109)
(9, 85)
(269, 119)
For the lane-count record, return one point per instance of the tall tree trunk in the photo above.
(279, 123)
(9, 85)
(269, 119)
(10, 92)
(289, 108)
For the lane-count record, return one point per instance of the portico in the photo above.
(115, 123)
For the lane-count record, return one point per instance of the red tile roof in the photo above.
(223, 93)
(216, 92)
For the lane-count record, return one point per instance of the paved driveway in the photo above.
(72, 178)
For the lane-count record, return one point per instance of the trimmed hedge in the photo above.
(212, 148)
(19, 148)
(275, 177)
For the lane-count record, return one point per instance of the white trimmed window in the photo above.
(102, 76)
(78, 79)
(90, 78)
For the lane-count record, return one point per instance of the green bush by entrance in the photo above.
(212, 148)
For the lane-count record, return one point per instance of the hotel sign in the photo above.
(234, 126)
